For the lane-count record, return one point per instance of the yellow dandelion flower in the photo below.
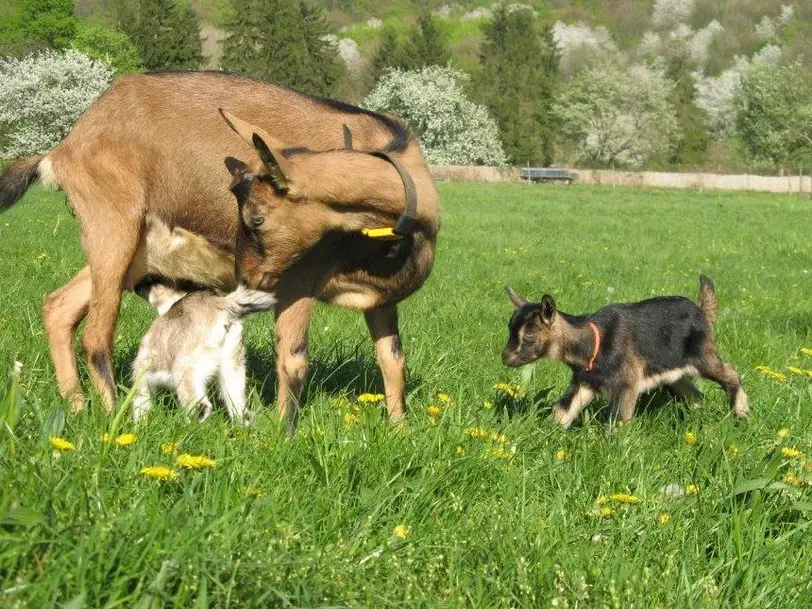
(194, 461)
(444, 398)
(125, 439)
(783, 432)
(793, 480)
(460, 451)
(788, 452)
(499, 438)
(401, 531)
(602, 499)
(61, 444)
(733, 450)
(341, 402)
(433, 411)
(250, 491)
(476, 432)
(690, 438)
(487, 405)
(351, 419)
(370, 398)
(806, 351)
(169, 448)
(512, 391)
(43, 256)
(606, 512)
(800, 371)
(773, 374)
(498, 452)
(624, 498)
(106, 437)
(159, 472)
(561, 455)
(692, 489)
(664, 518)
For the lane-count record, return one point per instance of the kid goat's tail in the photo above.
(707, 300)
(243, 301)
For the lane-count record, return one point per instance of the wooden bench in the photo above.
(546, 174)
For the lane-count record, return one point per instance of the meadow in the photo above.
(480, 500)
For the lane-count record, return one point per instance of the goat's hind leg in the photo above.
(726, 376)
(62, 312)
(232, 375)
(383, 327)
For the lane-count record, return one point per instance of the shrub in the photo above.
(108, 45)
(42, 95)
(452, 129)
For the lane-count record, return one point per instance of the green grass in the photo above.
(84, 529)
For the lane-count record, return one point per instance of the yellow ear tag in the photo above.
(385, 233)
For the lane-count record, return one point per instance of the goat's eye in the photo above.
(256, 221)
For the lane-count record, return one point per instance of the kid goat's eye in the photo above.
(256, 221)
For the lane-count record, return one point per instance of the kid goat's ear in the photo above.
(547, 309)
(236, 168)
(517, 300)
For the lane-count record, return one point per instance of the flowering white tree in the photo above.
(773, 106)
(671, 12)
(452, 129)
(581, 46)
(42, 95)
(617, 117)
(714, 94)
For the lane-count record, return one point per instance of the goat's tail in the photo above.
(19, 176)
(243, 301)
(707, 300)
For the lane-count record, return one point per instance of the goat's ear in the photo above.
(268, 148)
(517, 300)
(236, 168)
(547, 309)
(277, 165)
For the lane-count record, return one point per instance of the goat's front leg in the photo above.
(572, 403)
(625, 403)
(383, 327)
(292, 322)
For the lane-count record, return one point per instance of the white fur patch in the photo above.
(666, 378)
(47, 177)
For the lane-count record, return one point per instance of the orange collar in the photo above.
(596, 332)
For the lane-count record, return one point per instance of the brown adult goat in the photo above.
(144, 170)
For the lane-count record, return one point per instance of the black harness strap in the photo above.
(408, 220)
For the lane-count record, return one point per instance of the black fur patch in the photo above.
(396, 347)
(16, 180)
(101, 362)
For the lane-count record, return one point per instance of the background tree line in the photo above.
(557, 91)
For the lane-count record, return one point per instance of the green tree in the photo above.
(108, 45)
(691, 147)
(773, 107)
(517, 82)
(166, 33)
(282, 42)
(49, 21)
(427, 44)
(387, 56)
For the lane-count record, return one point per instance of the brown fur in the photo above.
(144, 171)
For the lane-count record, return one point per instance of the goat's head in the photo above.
(288, 198)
